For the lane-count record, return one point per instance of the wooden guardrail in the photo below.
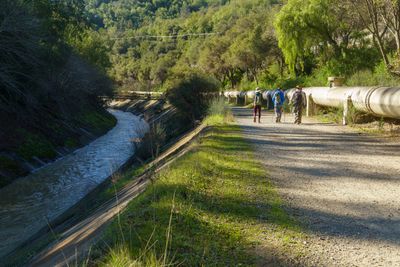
(124, 95)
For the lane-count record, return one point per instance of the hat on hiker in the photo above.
(299, 87)
(258, 89)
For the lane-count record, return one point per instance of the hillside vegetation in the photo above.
(57, 57)
(243, 43)
(52, 72)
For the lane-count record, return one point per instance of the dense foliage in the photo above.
(191, 94)
(152, 41)
(340, 37)
(143, 44)
(125, 14)
(52, 70)
(247, 42)
(39, 67)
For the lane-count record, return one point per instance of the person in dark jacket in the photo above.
(299, 102)
(257, 105)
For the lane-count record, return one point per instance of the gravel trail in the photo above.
(345, 187)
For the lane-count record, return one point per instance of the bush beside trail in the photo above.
(191, 94)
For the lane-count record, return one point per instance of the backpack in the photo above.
(277, 98)
(298, 99)
(258, 98)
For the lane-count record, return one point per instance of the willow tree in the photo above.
(305, 27)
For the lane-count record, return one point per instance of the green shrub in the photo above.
(218, 112)
(97, 120)
(191, 94)
(152, 142)
(379, 76)
(218, 106)
(328, 114)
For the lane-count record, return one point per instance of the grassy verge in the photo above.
(214, 207)
(362, 122)
(97, 121)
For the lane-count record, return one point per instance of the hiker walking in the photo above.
(278, 99)
(257, 105)
(299, 102)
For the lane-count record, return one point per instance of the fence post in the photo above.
(346, 107)
(311, 106)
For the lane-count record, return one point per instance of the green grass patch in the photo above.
(209, 208)
(98, 121)
(330, 115)
(71, 143)
(120, 180)
(35, 145)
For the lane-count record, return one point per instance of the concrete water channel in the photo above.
(27, 205)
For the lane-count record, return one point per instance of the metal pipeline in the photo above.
(379, 101)
(266, 94)
(248, 94)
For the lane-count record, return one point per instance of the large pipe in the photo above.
(379, 101)
(247, 95)
(266, 94)
(234, 93)
(383, 101)
(250, 94)
(242, 94)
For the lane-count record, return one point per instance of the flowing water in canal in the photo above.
(27, 204)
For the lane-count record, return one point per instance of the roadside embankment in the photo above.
(215, 205)
(28, 144)
(31, 204)
(362, 122)
(208, 202)
(161, 117)
(166, 123)
(76, 238)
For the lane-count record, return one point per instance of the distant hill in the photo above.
(151, 42)
(127, 14)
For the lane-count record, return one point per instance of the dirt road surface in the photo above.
(344, 187)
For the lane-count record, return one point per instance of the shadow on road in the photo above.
(338, 182)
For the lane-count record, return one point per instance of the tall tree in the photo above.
(368, 12)
(304, 26)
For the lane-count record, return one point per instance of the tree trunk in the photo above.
(383, 53)
(254, 73)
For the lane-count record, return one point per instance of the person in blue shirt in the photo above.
(278, 98)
